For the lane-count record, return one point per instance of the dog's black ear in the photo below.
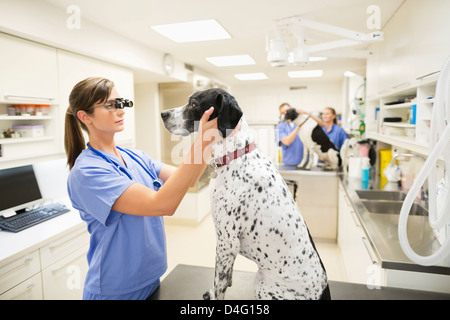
(228, 113)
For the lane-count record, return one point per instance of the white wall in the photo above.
(260, 102)
(147, 117)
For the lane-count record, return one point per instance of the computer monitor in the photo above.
(18, 189)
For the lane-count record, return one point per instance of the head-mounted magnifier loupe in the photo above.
(121, 103)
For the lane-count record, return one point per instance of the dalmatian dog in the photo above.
(253, 210)
(315, 142)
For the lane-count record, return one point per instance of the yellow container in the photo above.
(385, 159)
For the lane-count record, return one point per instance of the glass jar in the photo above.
(45, 109)
(11, 111)
(31, 110)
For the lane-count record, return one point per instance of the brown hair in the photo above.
(334, 113)
(84, 95)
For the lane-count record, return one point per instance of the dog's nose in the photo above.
(165, 115)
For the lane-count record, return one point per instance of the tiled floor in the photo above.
(197, 245)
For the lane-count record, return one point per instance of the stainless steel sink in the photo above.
(381, 195)
(392, 207)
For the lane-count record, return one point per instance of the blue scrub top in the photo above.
(292, 154)
(337, 135)
(127, 254)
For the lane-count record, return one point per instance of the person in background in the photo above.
(329, 125)
(287, 137)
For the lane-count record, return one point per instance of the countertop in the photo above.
(14, 245)
(382, 231)
(187, 282)
(294, 170)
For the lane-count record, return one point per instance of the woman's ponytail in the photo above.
(84, 95)
(73, 138)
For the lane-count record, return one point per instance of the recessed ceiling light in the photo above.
(202, 30)
(312, 59)
(226, 61)
(251, 76)
(305, 74)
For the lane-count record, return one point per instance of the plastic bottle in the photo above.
(365, 173)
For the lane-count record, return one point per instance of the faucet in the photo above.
(424, 192)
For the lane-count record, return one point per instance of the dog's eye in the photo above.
(192, 104)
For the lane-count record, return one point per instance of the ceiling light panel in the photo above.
(251, 76)
(305, 74)
(194, 31)
(227, 61)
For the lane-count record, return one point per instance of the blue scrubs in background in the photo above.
(127, 253)
(292, 154)
(337, 135)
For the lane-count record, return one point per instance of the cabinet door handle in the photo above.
(369, 250)
(404, 84)
(352, 212)
(57, 269)
(355, 219)
(427, 75)
(27, 289)
(28, 98)
(64, 240)
(25, 262)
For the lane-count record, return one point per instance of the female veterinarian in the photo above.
(122, 194)
(291, 145)
(329, 125)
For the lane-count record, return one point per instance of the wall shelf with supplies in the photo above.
(24, 135)
(402, 117)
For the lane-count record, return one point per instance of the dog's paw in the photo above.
(209, 295)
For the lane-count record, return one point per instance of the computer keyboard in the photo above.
(33, 217)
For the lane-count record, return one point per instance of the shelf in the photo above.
(399, 125)
(3, 117)
(403, 142)
(23, 140)
(54, 155)
(398, 106)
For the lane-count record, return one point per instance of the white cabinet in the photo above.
(29, 71)
(59, 248)
(30, 289)
(19, 270)
(29, 77)
(64, 266)
(56, 271)
(360, 261)
(64, 279)
(320, 213)
(405, 64)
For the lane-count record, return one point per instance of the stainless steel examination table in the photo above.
(187, 282)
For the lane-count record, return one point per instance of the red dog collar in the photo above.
(217, 163)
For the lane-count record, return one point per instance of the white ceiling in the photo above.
(248, 22)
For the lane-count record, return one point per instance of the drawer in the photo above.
(63, 246)
(30, 289)
(19, 270)
(64, 280)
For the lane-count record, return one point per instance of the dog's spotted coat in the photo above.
(256, 216)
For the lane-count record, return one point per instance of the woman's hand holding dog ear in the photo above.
(208, 131)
